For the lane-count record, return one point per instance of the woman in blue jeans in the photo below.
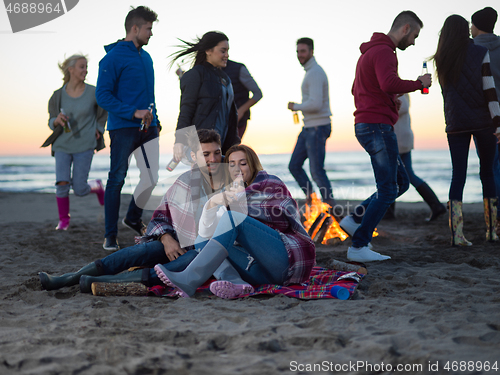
(471, 110)
(78, 125)
(255, 235)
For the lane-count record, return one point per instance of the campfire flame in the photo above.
(318, 218)
(317, 209)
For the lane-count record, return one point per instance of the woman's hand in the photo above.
(61, 120)
(218, 199)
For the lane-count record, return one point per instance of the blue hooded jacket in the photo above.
(125, 84)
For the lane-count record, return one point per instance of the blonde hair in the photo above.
(252, 159)
(70, 61)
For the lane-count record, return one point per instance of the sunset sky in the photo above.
(262, 35)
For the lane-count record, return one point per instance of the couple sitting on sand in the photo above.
(228, 219)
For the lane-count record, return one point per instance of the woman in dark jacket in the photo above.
(207, 94)
(471, 110)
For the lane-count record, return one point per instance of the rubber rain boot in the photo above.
(63, 209)
(437, 208)
(197, 272)
(124, 277)
(68, 279)
(97, 188)
(456, 222)
(490, 218)
(229, 283)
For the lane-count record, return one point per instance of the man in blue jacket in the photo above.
(125, 88)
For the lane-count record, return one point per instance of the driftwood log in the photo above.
(347, 267)
(119, 289)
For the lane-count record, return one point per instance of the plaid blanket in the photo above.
(318, 286)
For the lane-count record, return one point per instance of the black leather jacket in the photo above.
(201, 102)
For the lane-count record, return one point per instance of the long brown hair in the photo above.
(252, 159)
(197, 49)
(452, 49)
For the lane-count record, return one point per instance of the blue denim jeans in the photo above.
(260, 256)
(144, 255)
(459, 150)
(125, 143)
(311, 145)
(380, 141)
(77, 177)
(414, 179)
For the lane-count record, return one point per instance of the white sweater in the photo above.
(315, 104)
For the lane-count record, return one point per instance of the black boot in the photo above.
(68, 279)
(124, 277)
(432, 200)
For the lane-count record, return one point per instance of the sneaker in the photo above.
(139, 227)
(349, 225)
(111, 244)
(364, 254)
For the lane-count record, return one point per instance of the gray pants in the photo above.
(76, 176)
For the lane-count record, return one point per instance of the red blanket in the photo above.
(319, 285)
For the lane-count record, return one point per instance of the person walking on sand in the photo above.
(78, 125)
(471, 109)
(483, 23)
(315, 108)
(375, 89)
(404, 135)
(125, 88)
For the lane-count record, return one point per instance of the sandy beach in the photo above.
(424, 311)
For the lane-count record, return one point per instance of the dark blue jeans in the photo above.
(261, 256)
(459, 150)
(124, 143)
(380, 141)
(414, 179)
(311, 145)
(143, 255)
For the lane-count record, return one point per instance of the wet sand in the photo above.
(430, 305)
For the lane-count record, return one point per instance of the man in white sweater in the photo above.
(315, 108)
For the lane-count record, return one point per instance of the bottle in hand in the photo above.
(425, 90)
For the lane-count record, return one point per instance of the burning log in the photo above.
(318, 238)
(316, 224)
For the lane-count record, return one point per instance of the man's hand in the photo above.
(145, 115)
(97, 134)
(178, 151)
(426, 80)
(290, 105)
(171, 246)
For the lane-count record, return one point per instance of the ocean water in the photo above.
(350, 173)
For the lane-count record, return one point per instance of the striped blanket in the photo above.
(318, 286)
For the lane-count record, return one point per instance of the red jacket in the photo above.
(377, 83)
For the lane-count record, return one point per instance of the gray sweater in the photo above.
(315, 104)
(85, 117)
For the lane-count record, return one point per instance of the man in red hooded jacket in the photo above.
(376, 88)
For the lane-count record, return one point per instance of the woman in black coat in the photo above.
(207, 97)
